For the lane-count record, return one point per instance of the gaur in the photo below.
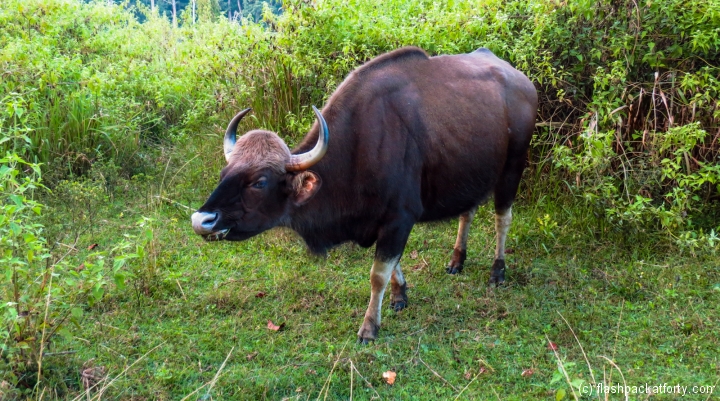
(406, 138)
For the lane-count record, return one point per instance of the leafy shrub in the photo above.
(45, 287)
(95, 83)
(637, 89)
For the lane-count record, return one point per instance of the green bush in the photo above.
(44, 287)
(636, 88)
(93, 82)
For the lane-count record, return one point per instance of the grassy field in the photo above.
(116, 125)
(193, 322)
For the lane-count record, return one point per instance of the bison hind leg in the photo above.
(460, 250)
(502, 226)
(398, 287)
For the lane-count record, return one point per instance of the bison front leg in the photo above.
(386, 268)
(380, 274)
(460, 250)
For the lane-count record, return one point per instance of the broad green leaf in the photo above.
(76, 313)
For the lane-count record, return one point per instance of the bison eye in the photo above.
(260, 184)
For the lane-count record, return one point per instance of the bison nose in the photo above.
(204, 222)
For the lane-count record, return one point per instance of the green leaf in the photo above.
(77, 313)
(560, 394)
(17, 199)
(119, 280)
(98, 292)
(118, 263)
(65, 333)
(29, 237)
(577, 383)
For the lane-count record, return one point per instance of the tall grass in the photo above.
(91, 82)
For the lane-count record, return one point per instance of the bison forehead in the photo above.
(260, 149)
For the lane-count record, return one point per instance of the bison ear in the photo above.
(304, 186)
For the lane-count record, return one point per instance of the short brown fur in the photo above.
(260, 149)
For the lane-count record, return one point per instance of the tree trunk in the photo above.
(239, 11)
(229, 11)
(174, 11)
(152, 5)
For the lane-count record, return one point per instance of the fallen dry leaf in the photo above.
(482, 370)
(389, 377)
(92, 376)
(468, 375)
(80, 268)
(414, 254)
(92, 246)
(251, 355)
(260, 294)
(527, 373)
(552, 346)
(509, 251)
(272, 326)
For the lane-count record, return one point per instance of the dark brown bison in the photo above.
(408, 138)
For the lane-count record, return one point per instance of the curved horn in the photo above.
(305, 160)
(231, 133)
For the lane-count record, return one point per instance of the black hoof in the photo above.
(454, 269)
(399, 299)
(497, 273)
(365, 341)
(398, 306)
(456, 262)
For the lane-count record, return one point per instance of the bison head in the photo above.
(260, 184)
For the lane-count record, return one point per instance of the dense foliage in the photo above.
(628, 127)
(44, 291)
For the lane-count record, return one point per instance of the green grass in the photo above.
(192, 305)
